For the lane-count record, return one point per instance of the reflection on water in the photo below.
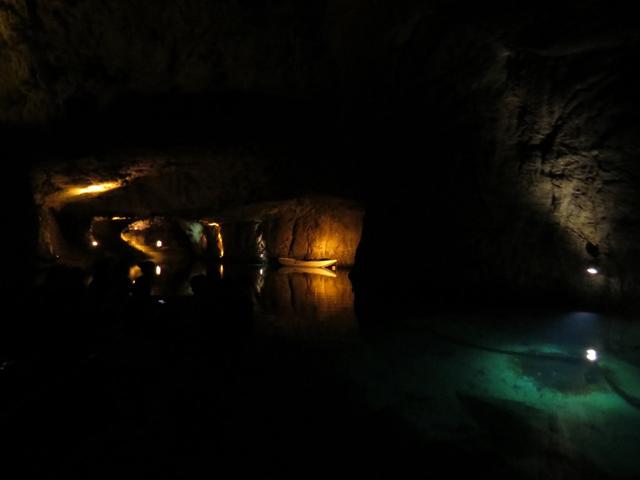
(308, 303)
(501, 377)
(305, 303)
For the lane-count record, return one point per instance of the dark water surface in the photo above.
(270, 372)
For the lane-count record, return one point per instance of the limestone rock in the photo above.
(306, 228)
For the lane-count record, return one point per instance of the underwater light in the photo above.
(159, 243)
(592, 271)
(592, 355)
(158, 270)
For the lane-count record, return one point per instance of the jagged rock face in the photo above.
(548, 166)
(569, 128)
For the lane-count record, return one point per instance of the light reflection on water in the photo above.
(302, 303)
(307, 304)
(440, 370)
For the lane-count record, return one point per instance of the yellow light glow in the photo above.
(323, 295)
(119, 218)
(219, 242)
(261, 272)
(135, 241)
(158, 270)
(94, 243)
(135, 272)
(592, 271)
(131, 240)
(221, 270)
(159, 243)
(96, 188)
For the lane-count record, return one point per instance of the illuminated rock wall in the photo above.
(529, 155)
(307, 228)
(174, 183)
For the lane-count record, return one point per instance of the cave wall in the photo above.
(196, 184)
(171, 182)
(548, 165)
(178, 183)
(494, 140)
(51, 242)
(315, 228)
(60, 58)
(305, 228)
(241, 240)
(569, 127)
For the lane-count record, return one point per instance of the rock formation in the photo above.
(307, 228)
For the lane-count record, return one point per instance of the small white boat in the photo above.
(293, 262)
(307, 271)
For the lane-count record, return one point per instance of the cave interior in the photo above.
(472, 169)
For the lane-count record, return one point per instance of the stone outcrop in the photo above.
(306, 228)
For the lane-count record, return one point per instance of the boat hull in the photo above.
(307, 271)
(292, 262)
